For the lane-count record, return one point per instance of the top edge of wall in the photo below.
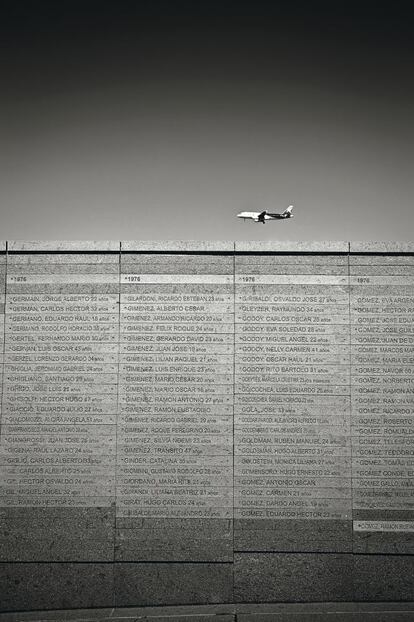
(177, 245)
(382, 247)
(207, 246)
(63, 245)
(293, 246)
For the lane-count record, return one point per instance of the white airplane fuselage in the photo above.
(259, 216)
(253, 216)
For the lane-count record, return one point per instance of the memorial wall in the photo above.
(206, 422)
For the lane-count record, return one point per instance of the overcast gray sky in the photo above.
(144, 125)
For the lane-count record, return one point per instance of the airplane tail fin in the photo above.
(288, 211)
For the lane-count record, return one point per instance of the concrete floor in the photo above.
(260, 612)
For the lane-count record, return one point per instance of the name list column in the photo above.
(174, 475)
(292, 412)
(382, 311)
(2, 311)
(60, 401)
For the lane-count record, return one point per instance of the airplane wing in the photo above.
(262, 215)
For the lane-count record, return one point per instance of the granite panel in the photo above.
(55, 586)
(65, 268)
(379, 269)
(327, 608)
(93, 523)
(379, 282)
(292, 577)
(184, 613)
(194, 267)
(161, 491)
(242, 261)
(331, 616)
(50, 461)
(160, 261)
(382, 514)
(383, 542)
(281, 473)
(294, 269)
(64, 288)
(225, 613)
(157, 539)
(382, 260)
(172, 292)
(180, 546)
(381, 247)
(383, 577)
(292, 246)
(172, 583)
(215, 526)
(200, 617)
(381, 376)
(290, 535)
(60, 245)
(81, 258)
(58, 548)
(177, 245)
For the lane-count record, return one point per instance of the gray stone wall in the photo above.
(203, 422)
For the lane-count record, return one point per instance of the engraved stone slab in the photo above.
(60, 388)
(292, 246)
(276, 309)
(62, 246)
(177, 245)
(381, 392)
(174, 467)
(381, 247)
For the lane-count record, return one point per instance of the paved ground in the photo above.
(313, 612)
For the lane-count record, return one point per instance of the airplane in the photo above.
(263, 216)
